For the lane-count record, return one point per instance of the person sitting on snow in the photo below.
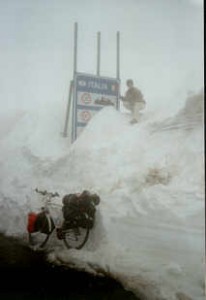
(133, 100)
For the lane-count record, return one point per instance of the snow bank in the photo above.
(150, 226)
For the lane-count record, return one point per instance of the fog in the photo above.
(149, 176)
(161, 48)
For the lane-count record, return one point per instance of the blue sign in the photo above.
(91, 94)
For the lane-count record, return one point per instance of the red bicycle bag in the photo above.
(31, 222)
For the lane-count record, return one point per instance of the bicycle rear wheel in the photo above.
(75, 237)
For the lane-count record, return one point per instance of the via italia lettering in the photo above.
(94, 85)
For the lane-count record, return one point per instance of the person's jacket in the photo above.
(133, 95)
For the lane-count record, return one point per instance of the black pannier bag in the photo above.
(42, 223)
(70, 206)
(79, 209)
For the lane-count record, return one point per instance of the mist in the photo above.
(150, 177)
(161, 49)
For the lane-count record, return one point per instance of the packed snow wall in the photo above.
(150, 178)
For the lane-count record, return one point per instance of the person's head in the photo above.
(129, 82)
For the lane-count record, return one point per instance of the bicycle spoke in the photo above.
(76, 237)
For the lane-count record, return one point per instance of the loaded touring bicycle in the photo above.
(78, 219)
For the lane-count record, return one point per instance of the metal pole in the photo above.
(68, 109)
(71, 83)
(70, 102)
(98, 52)
(75, 46)
(118, 55)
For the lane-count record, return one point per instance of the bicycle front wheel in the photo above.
(75, 237)
(44, 228)
(38, 240)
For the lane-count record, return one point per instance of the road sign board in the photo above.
(91, 94)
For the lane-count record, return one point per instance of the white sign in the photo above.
(91, 94)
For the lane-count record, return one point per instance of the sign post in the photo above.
(88, 94)
(118, 55)
(68, 109)
(69, 103)
(98, 52)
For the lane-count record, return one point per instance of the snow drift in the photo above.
(150, 225)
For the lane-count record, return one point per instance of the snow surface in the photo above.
(149, 232)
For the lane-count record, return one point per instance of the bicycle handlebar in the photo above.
(44, 193)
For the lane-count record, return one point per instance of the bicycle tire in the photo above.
(76, 238)
(39, 239)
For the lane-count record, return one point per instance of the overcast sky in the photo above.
(161, 47)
